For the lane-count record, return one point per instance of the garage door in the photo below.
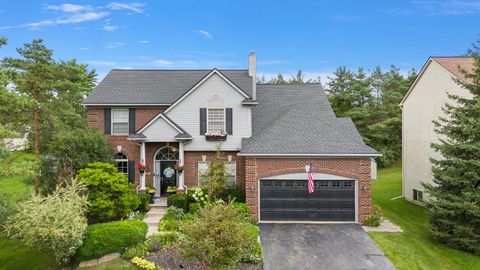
(288, 200)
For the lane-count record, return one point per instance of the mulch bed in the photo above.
(172, 259)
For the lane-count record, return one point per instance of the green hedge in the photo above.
(178, 200)
(105, 238)
(144, 205)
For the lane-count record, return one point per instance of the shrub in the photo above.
(110, 237)
(219, 238)
(200, 197)
(169, 224)
(216, 176)
(177, 200)
(374, 219)
(109, 194)
(174, 213)
(193, 208)
(162, 240)
(6, 208)
(245, 210)
(237, 194)
(144, 205)
(144, 264)
(254, 252)
(139, 250)
(55, 223)
(192, 191)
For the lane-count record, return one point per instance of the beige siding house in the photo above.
(421, 105)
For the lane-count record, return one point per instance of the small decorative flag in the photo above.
(310, 179)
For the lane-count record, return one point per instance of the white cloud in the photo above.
(70, 8)
(134, 7)
(82, 17)
(85, 48)
(114, 45)
(204, 34)
(144, 41)
(163, 63)
(438, 8)
(110, 28)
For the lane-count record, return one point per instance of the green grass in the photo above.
(119, 264)
(414, 248)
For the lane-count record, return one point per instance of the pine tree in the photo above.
(455, 201)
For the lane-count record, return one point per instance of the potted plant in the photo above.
(171, 190)
(216, 136)
(142, 167)
(151, 191)
(178, 168)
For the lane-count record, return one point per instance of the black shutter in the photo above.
(107, 120)
(203, 121)
(131, 171)
(131, 121)
(229, 124)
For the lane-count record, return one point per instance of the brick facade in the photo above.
(356, 168)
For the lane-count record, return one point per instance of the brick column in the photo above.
(251, 185)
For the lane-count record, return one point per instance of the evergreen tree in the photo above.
(455, 201)
(217, 177)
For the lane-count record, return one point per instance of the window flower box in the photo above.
(216, 136)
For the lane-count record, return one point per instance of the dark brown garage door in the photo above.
(288, 200)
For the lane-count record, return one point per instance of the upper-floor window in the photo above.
(215, 120)
(119, 121)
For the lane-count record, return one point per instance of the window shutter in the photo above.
(131, 171)
(131, 121)
(203, 121)
(107, 120)
(229, 124)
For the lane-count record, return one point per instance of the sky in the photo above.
(315, 36)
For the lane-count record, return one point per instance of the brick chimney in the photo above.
(252, 72)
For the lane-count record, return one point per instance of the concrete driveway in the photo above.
(319, 246)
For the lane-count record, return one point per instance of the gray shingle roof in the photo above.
(298, 119)
(155, 86)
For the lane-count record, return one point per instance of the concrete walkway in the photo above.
(153, 217)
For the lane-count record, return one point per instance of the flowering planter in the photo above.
(216, 137)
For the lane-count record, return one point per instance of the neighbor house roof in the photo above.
(156, 87)
(454, 64)
(298, 120)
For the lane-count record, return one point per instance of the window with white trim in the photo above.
(202, 173)
(230, 174)
(215, 120)
(119, 121)
(121, 161)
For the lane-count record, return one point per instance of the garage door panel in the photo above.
(332, 200)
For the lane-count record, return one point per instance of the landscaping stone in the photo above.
(385, 226)
(103, 259)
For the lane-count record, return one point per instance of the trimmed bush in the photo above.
(110, 237)
(162, 240)
(178, 200)
(193, 208)
(375, 218)
(139, 250)
(144, 205)
(109, 194)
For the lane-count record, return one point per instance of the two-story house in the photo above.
(268, 134)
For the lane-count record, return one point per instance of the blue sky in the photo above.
(316, 36)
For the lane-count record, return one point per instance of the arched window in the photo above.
(167, 153)
(121, 161)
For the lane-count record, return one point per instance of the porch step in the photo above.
(160, 201)
(152, 230)
(156, 211)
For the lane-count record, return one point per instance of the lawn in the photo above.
(414, 248)
(13, 253)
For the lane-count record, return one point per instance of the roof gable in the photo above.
(162, 127)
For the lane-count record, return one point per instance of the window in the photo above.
(202, 174)
(121, 161)
(417, 195)
(231, 174)
(336, 184)
(119, 121)
(215, 120)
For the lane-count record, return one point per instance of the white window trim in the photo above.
(128, 122)
(122, 160)
(198, 171)
(224, 117)
(234, 175)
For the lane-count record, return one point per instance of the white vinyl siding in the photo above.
(160, 130)
(202, 174)
(231, 174)
(213, 93)
(119, 121)
(215, 120)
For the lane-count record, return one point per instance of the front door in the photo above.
(168, 175)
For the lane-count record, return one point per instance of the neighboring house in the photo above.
(267, 134)
(422, 105)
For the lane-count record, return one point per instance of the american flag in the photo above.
(310, 179)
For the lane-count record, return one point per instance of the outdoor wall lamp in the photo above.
(364, 187)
